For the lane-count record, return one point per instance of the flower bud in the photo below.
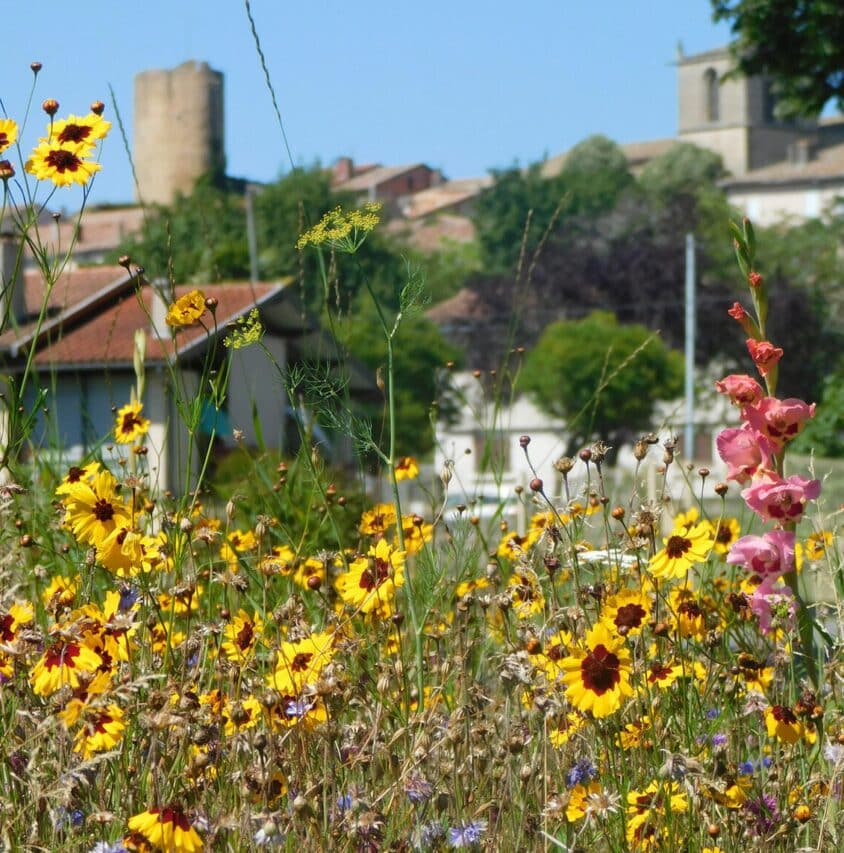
(35, 66)
(50, 106)
(97, 108)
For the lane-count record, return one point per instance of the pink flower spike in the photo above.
(774, 607)
(769, 556)
(743, 390)
(764, 354)
(780, 500)
(754, 279)
(745, 451)
(778, 420)
(741, 316)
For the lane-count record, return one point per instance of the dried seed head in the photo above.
(564, 464)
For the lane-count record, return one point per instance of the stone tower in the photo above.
(733, 117)
(178, 130)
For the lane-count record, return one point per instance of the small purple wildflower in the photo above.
(467, 834)
(105, 847)
(582, 772)
(418, 790)
(719, 739)
(428, 835)
(128, 596)
(713, 714)
(746, 768)
(345, 802)
(765, 814)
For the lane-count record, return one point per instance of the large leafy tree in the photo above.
(601, 377)
(798, 43)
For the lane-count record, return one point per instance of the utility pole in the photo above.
(691, 319)
(252, 238)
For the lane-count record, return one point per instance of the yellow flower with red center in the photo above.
(598, 676)
(240, 716)
(62, 164)
(299, 662)
(689, 615)
(94, 509)
(186, 310)
(61, 665)
(664, 675)
(102, 729)
(241, 637)
(130, 424)
(817, 544)
(127, 553)
(372, 581)
(465, 587)
(632, 735)
(376, 521)
(19, 613)
(167, 828)
(8, 133)
(280, 561)
(730, 791)
(61, 592)
(725, 533)
(302, 710)
(627, 612)
(526, 592)
(82, 131)
(782, 723)
(416, 533)
(683, 549)
(184, 600)
(512, 546)
(646, 808)
(548, 659)
(310, 573)
(406, 468)
(76, 474)
(237, 542)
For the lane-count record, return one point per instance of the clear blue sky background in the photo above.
(462, 85)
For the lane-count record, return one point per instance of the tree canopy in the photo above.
(601, 377)
(798, 43)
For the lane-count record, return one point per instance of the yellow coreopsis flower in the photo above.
(241, 637)
(130, 424)
(62, 164)
(83, 131)
(371, 583)
(60, 666)
(8, 133)
(186, 310)
(94, 510)
(375, 521)
(407, 468)
(627, 612)
(102, 729)
(167, 829)
(782, 724)
(528, 599)
(300, 662)
(598, 676)
(683, 548)
(577, 804)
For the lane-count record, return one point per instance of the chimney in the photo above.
(344, 170)
(12, 296)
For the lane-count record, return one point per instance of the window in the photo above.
(712, 95)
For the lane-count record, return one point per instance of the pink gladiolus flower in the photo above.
(764, 354)
(778, 420)
(744, 451)
(741, 316)
(743, 390)
(774, 607)
(780, 500)
(768, 556)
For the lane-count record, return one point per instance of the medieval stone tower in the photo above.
(178, 129)
(734, 117)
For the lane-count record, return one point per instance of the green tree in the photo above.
(602, 378)
(594, 176)
(798, 43)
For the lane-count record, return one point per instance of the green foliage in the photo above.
(420, 352)
(602, 378)
(684, 169)
(594, 176)
(824, 434)
(799, 44)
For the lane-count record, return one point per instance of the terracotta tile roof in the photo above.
(466, 304)
(73, 285)
(444, 196)
(374, 177)
(428, 235)
(108, 337)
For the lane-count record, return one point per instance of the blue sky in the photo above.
(464, 86)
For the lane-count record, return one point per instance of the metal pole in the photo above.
(689, 437)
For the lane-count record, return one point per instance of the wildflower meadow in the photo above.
(302, 666)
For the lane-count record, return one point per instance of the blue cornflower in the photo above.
(418, 790)
(746, 768)
(467, 834)
(344, 802)
(128, 597)
(66, 817)
(428, 835)
(719, 739)
(713, 714)
(105, 847)
(582, 772)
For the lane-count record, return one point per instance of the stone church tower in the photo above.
(178, 130)
(733, 117)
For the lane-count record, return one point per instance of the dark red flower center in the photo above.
(103, 510)
(783, 715)
(724, 535)
(300, 661)
(6, 632)
(75, 474)
(630, 616)
(75, 133)
(61, 655)
(63, 160)
(130, 421)
(677, 546)
(374, 574)
(690, 610)
(245, 635)
(4, 140)
(173, 814)
(600, 670)
(658, 672)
